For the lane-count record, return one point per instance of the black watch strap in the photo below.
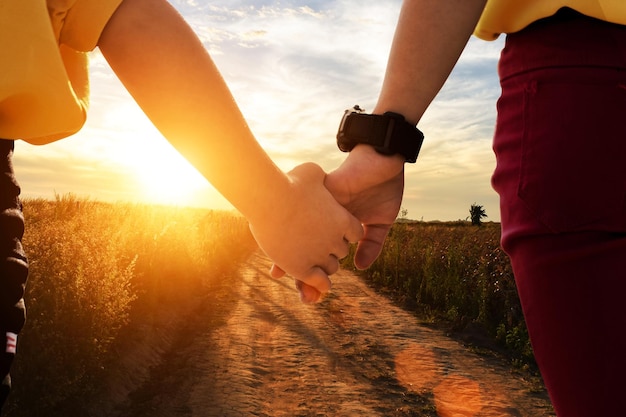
(388, 133)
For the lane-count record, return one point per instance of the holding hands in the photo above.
(302, 219)
(370, 186)
(321, 227)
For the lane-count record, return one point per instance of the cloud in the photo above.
(293, 67)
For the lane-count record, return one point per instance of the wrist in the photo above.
(365, 178)
(261, 202)
(389, 133)
(409, 115)
(367, 166)
(385, 165)
(286, 197)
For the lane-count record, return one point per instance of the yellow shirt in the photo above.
(508, 16)
(44, 83)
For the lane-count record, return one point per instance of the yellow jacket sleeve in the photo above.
(509, 16)
(44, 84)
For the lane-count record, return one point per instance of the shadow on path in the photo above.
(252, 349)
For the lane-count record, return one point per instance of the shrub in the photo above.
(457, 273)
(95, 270)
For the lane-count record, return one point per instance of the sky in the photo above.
(293, 67)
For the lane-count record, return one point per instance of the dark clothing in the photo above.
(13, 266)
(560, 144)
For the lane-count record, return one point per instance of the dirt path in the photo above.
(255, 350)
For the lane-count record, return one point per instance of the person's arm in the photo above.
(169, 73)
(429, 38)
(428, 41)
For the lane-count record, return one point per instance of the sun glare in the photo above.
(165, 177)
(159, 174)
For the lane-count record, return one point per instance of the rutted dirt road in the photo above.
(255, 350)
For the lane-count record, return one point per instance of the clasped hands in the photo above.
(356, 203)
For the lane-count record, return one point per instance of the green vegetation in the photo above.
(458, 274)
(98, 272)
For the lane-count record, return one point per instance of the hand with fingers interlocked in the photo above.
(311, 236)
(370, 186)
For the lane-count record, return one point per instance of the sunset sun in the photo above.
(165, 177)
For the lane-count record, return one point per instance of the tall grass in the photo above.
(97, 269)
(99, 272)
(458, 273)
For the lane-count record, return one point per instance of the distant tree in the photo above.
(477, 213)
(403, 213)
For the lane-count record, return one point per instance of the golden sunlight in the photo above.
(158, 173)
(166, 177)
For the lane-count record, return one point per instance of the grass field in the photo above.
(99, 271)
(455, 273)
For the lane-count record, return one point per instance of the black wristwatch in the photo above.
(388, 133)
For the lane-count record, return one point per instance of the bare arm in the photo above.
(429, 39)
(166, 69)
(170, 75)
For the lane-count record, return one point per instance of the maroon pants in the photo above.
(560, 143)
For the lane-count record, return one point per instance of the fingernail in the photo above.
(310, 295)
(308, 298)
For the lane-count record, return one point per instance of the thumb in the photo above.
(371, 245)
